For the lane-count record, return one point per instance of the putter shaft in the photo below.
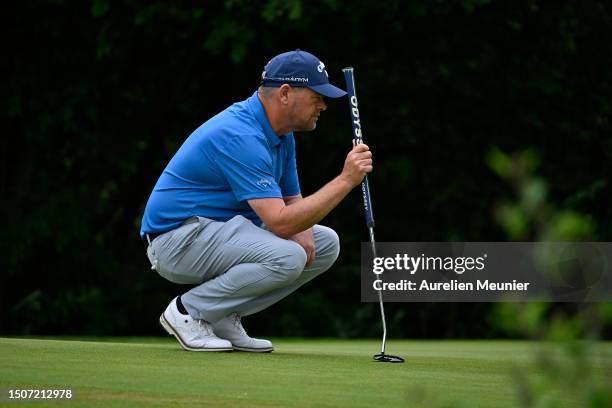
(380, 299)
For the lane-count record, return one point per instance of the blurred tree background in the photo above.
(101, 94)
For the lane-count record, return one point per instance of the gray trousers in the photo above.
(238, 266)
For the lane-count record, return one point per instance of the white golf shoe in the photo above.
(230, 328)
(192, 334)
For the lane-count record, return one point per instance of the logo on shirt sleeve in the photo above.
(264, 183)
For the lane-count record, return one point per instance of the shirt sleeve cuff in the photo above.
(259, 194)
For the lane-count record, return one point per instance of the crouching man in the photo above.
(227, 215)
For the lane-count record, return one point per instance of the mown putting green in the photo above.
(122, 372)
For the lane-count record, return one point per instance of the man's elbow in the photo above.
(282, 230)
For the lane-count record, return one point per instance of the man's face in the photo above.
(304, 109)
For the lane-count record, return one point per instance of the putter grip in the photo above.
(349, 77)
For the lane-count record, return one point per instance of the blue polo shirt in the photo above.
(233, 157)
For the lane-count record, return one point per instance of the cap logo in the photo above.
(321, 68)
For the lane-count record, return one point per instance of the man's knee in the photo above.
(328, 246)
(290, 262)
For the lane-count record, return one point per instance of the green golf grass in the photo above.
(142, 371)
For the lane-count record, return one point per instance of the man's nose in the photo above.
(323, 106)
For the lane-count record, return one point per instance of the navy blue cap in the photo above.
(299, 69)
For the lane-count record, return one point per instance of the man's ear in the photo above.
(283, 94)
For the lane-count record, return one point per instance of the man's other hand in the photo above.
(306, 241)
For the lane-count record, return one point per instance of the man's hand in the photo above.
(357, 164)
(306, 241)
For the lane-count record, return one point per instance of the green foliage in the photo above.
(99, 7)
(276, 9)
(470, 5)
(531, 215)
(570, 374)
(101, 94)
(570, 225)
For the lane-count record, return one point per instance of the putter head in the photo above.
(387, 358)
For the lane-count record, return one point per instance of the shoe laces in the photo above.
(202, 327)
(238, 324)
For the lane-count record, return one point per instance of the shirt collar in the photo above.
(260, 114)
